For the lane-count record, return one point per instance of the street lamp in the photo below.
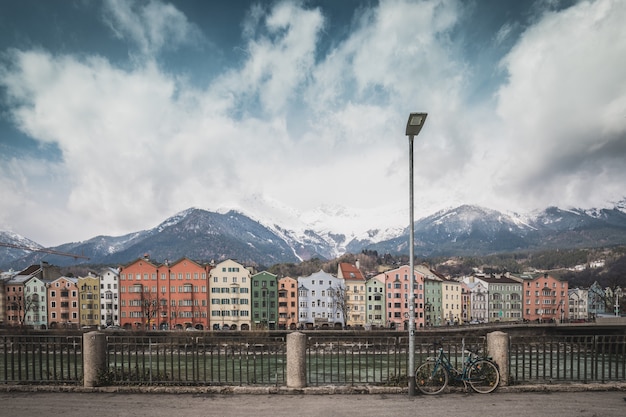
(413, 127)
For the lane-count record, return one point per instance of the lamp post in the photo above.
(413, 127)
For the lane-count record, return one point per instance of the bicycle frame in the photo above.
(479, 372)
(458, 375)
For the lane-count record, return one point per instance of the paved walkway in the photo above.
(510, 404)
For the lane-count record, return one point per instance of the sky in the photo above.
(116, 114)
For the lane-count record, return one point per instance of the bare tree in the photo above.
(150, 306)
(340, 301)
(23, 306)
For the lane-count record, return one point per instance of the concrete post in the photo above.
(498, 349)
(296, 360)
(94, 357)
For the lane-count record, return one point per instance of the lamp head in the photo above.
(415, 123)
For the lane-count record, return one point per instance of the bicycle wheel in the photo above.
(431, 378)
(483, 376)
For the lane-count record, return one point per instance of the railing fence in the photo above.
(35, 359)
(567, 359)
(329, 358)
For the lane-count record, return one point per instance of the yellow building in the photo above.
(451, 302)
(89, 300)
(355, 294)
(230, 299)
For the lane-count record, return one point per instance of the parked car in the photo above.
(114, 328)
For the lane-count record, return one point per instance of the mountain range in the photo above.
(204, 235)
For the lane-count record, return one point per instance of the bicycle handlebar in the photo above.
(473, 350)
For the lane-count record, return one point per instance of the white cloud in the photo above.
(564, 109)
(280, 55)
(151, 25)
(307, 129)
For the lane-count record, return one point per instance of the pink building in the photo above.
(397, 287)
(63, 310)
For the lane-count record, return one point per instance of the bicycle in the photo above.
(479, 372)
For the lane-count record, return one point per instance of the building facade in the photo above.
(264, 300)
(451, 302)
(18, 305)
(230, 299)
(287, 303)
(355, 294)
(89, 306)
(321, 301)
(505, 298)
(375, 302)
(139, 297)
(578, 304)
(183, 290)
(398, 290)
(479, 301)
(432, 302)
(465, 303)
(63, 308)
(545, 298)
(109, 297)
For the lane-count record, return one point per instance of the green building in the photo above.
(432, 302)
(264, 300)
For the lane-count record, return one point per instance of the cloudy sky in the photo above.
(116, 114)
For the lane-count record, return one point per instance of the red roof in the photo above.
(350, 272)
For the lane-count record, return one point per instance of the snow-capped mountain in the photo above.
(275, 235)
(326, 230)
(13, 242)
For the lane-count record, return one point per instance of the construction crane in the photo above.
(43, 250)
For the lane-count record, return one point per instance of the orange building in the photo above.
(164, 296)
(287, 303)
(545, 298)
(188, 295)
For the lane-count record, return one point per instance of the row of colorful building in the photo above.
(189, 295)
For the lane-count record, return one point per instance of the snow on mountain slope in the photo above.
(327, 225)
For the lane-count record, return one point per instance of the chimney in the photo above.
(358, 264)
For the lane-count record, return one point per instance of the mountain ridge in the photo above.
(213, 236)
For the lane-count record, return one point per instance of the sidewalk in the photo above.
(321, 390)
(116, 404)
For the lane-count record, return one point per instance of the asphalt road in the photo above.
(555, 404)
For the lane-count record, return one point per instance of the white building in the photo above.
(109, 297)
(375, 302)
(479, 300)
(578, 299)
(322, 300)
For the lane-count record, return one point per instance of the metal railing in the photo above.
(371, 359)
(331, 358)
(195, 360)
(354, 360)
(567, 359)
(37, 359)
